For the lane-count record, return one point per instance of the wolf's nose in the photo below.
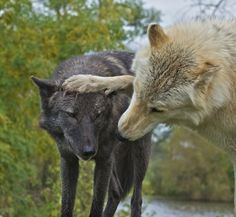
(120, 137)
(88, 151)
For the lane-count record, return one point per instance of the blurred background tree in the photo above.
(186, 166)
(209, 8)
(35, 36)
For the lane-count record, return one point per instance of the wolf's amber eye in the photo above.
(156, 110)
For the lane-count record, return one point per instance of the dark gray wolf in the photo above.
(84, 127)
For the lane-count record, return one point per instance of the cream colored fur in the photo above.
(93, 83)
(206, 99)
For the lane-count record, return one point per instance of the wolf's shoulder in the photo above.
(203, 31)
(109, 63)
(118, 62)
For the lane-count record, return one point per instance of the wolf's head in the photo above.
(75, 122)
(174, 84)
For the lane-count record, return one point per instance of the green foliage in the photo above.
(189, 167)
(34, 39)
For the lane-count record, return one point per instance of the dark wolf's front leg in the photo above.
(114, 198)
(93, 83)
(141, 159)
(69, 175)
(101, 181)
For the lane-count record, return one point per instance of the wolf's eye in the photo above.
(156, 110)
(97, 114)
(71, 114)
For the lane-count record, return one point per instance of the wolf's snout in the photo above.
(134, 123)
(88, 151)
(120, 137)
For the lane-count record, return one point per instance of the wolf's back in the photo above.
(111, 63)
(214, 38)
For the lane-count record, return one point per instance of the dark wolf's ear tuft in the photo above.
(156, 35)
(46, 87)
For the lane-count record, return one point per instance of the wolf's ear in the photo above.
(156, 35)
(46, 87)
(203, 85)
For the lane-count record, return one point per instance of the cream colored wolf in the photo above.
(186, 76)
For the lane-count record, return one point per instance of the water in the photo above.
(170, 208)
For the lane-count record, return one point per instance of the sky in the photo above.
(176, 10)
(171, 9)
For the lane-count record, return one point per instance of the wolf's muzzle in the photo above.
(120, 137)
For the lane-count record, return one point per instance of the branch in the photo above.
(217, 6)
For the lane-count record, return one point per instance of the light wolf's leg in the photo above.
(93, 83)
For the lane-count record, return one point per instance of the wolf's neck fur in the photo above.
(218, 123)
(214, 40)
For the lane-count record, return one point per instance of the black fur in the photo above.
(84, 127)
